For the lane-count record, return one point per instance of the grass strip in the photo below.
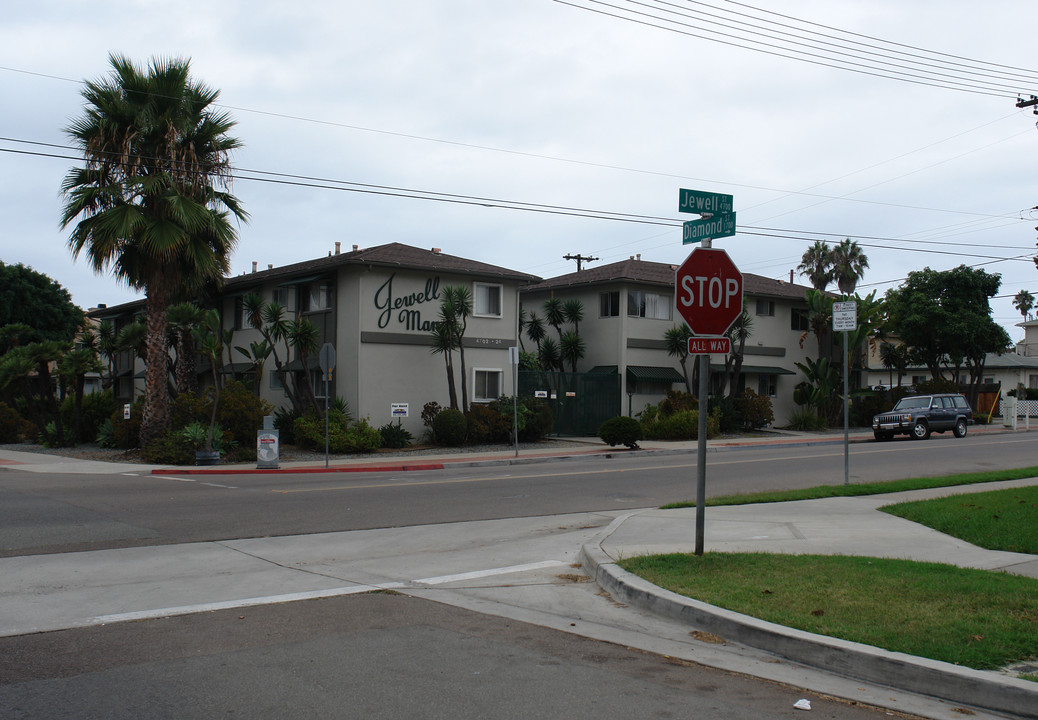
(876, 488)
(996, 520)
(973, 618)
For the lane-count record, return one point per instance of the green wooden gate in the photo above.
(580, 402)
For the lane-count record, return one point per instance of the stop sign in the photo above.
(708, 291)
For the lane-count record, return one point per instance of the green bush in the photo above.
(126, 433)
(285, 422)
(940, 385)
(429, 412)
(450, 427)
(13, 427)
(395, 436)
(240, 412)
(487, 425)
(728, 418)
(755, 409)
(678, 401)
(806, 420)
(539, 423)
(94, 410)
(173, 448)
(343, 436)
(621, 430)
(682, 425)
(106, 434)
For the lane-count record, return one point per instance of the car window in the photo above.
(960, 402)
(948, 402)
(912, 403)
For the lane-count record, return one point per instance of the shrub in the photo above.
(240, 412)
(728, 417)
(285, 422)
(621, 430)
(940, 385)
(126, 433)
(682, 425)
(449, 427)
(429, 412)
(755, 409)
(94, 410)
(395, 436)
(678, 401)
(13, 427)
(106, 434)
(487, 425)
(539, 422)
(170, 449)
(343, 436)
(806, 420)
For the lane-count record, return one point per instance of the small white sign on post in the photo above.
(398, 410)
(845, 316)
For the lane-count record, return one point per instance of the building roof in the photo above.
(396, 255)
(661, 274)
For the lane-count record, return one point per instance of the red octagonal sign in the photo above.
(708, 291)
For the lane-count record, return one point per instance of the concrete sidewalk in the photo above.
(511, 568)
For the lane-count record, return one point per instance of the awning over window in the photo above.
(604, 370)
(765, 370)
(236, 368)
(647, 373)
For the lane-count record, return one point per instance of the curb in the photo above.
(976, 688)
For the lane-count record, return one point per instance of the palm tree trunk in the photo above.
(155, 417)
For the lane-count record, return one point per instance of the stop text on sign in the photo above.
(709, 346)
(710, 292)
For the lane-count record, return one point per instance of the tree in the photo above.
(457, 305)
(1023, 301)
(74, 367)
(676, 339)
(535, 329)
(849, 263)
(550, 355)
(150, 202)
(182, 319)
(571, 349)
(554, 314)
(738, 333)
(817, 264)
(894, 357)
(573, 311)
(946, 315)
(33, 299)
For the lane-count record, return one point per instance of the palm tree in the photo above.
(677, 346)
(457, 304)
(182, 319)
(151, 201)
(1023, 301)
(554, 315)
(443, 342)
(849, 265)
(817, 265)
(572, 349)
(535, 330)
(549, 355)
(738, 333)
(573, 311)
(74, 366)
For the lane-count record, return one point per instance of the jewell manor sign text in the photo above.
(406, 309)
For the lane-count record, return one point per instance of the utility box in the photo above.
(267, 449)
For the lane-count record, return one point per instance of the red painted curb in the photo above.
(270, 471)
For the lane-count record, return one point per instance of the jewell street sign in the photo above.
(708, 291)
(696, 201)
(718, 226)
(709, 346)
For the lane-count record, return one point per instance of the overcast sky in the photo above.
(547, 103)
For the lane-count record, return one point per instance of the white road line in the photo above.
(439, 580)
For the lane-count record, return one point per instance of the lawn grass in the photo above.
(996, 520)
(975, 618)
(876, 488)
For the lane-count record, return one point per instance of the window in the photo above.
(609, 304)
(285, 297)
(767, 385)
(487, 386)
(1032, 381)
(486, 300)
(320, 297)
(765, 308)
(799, 321)
(649, 305)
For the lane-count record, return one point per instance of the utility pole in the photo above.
(580, 258)
(1032, 103)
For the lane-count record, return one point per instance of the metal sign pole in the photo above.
(704, 388)
(846, 419)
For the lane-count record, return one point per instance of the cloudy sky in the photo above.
(606, 107)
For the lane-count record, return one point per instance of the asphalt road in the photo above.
(369, 656)
(62, 513)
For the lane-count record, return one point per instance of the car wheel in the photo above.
(920, 430)
(960, 428)
(883, 435)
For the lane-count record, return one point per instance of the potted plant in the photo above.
(206, 440)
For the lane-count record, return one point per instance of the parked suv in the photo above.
(919, 415)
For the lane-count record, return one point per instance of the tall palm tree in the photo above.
(676, 339)
(550, 355)
(443, 342)
(554, 315)
(457, 304)
(182, 319)
(572, 349)
(817, 264)
(573, 311)
(1023, 301)
(535, 329)
(849, 265)
(150, 202)
(738, 333)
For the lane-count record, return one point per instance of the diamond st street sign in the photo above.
(718, 226)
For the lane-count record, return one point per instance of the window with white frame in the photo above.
(320, 297)
(285, 296)
(487, 385)
(765, 308)
(1032, 381)
(767, 385)
(649, 305)
(609, 304)
(799, 320)
(486, 300)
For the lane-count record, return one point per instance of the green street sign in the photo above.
(695, 201)
(718, 226)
